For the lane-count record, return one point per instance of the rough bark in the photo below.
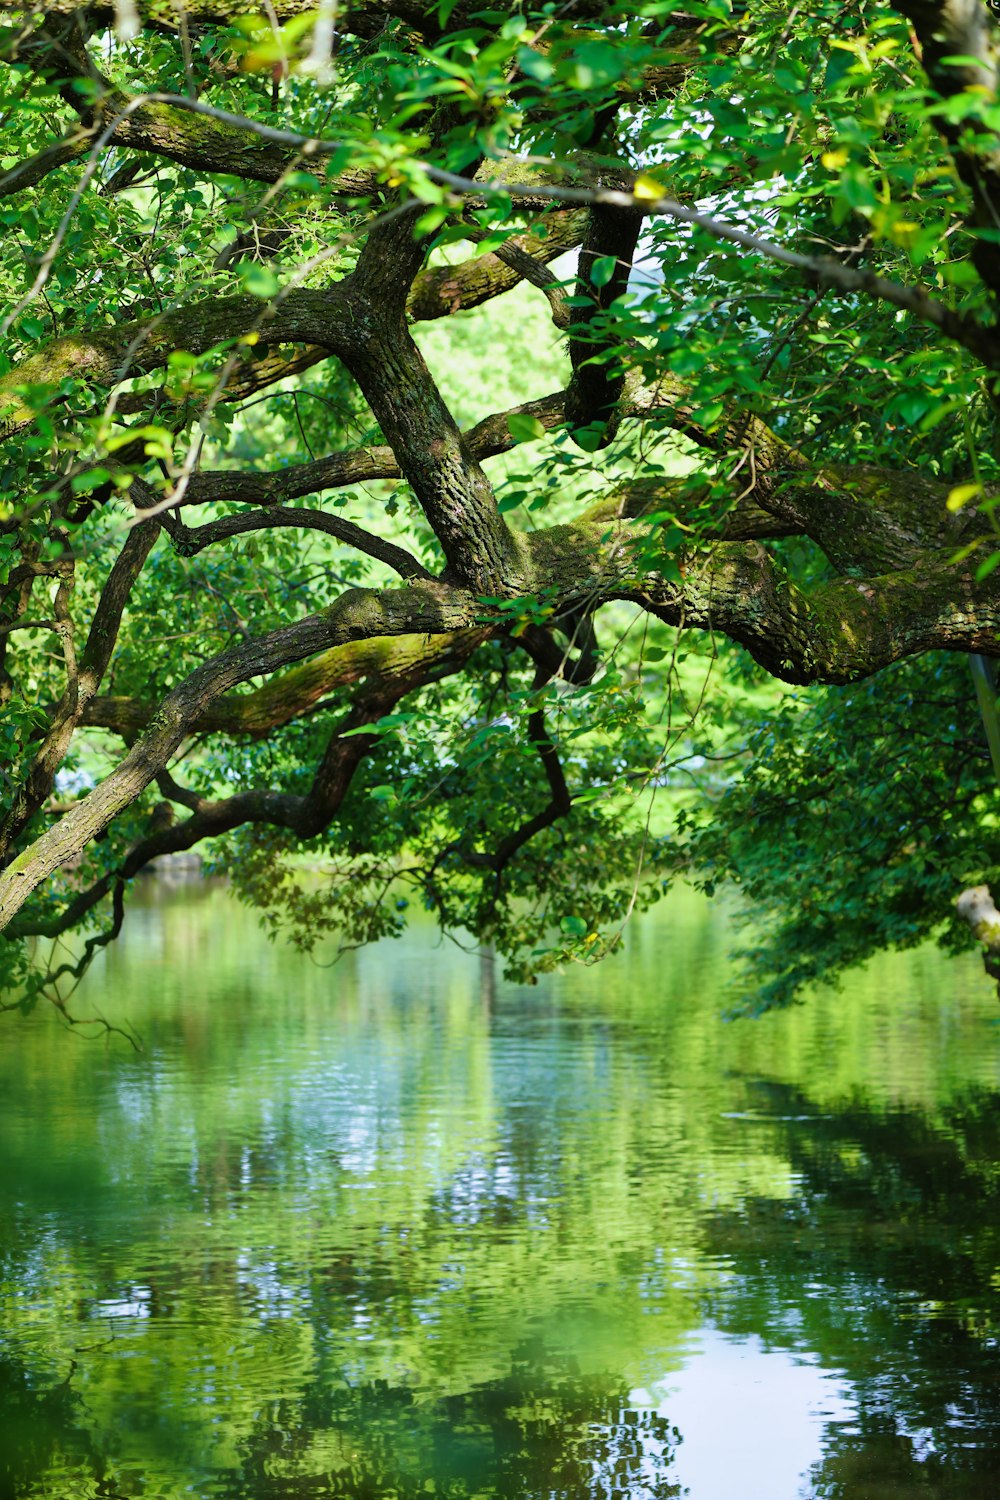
(598, 371)
(888, 536)
(354, 466)
(83, 681)
(445, 476)
(841, 632)
(302, 690)
(449, 289)
(108, 356)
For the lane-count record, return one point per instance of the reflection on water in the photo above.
(392, 1229)
(775, 1404)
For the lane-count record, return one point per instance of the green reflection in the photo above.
(390, 1229)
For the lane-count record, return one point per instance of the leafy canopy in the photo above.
(437, 437)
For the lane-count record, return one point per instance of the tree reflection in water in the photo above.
(544, 1429)
(885, 1264)
(364, 1235)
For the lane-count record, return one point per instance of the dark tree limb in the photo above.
(189, 541)
(840, 632)
(559, 805)
(83, 682)
(485, 440)
(302, 690)
(960, 50)
(109, 355)
(305, 815)
(447, 479)
(596, 386)
(531, 267)
(443, 290)
(32, 169)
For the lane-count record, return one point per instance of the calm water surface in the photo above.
(394, 1229)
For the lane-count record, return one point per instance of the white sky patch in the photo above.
(752, 1419)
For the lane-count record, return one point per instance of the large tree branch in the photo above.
(839, 632)
(189, 541)
(595, 352)
(868, 521)
(306, 815)
(313, 318)
(353, 466)
(446, 289)
(824, 271)
(108, 356)
(360, 614)
(446, 478)
(303, 689)
(32, 169)
(82, 684)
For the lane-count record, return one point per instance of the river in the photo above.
(393, 1228)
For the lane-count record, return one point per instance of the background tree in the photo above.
(285, 570)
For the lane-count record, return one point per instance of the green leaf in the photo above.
(258, 281)
(603, 269)
(533, 65)
(524, 428)
(961, 495)
(82, 484)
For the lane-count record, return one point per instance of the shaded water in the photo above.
(393, 1230)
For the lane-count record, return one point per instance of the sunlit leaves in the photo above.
(809, 127)
(878, 799)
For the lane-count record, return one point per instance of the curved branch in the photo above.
(83, 682)
(841, 632)
(304, 689)
(25, 174)
(822, 270)
(305, 815)
(359, 614)
(189, 541)
(446, 478)
(559, 804)
(444, 290)
(594, 348)
(108, 356)
(486, 439)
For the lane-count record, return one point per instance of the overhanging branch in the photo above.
(822, 270)
(190, 540)
(840, 632)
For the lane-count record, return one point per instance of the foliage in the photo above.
(881, 801)
(425, 440)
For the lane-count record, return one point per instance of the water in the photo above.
(392, 1229)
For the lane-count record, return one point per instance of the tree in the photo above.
(246, 538)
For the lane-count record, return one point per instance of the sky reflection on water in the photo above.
(747, 1410)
